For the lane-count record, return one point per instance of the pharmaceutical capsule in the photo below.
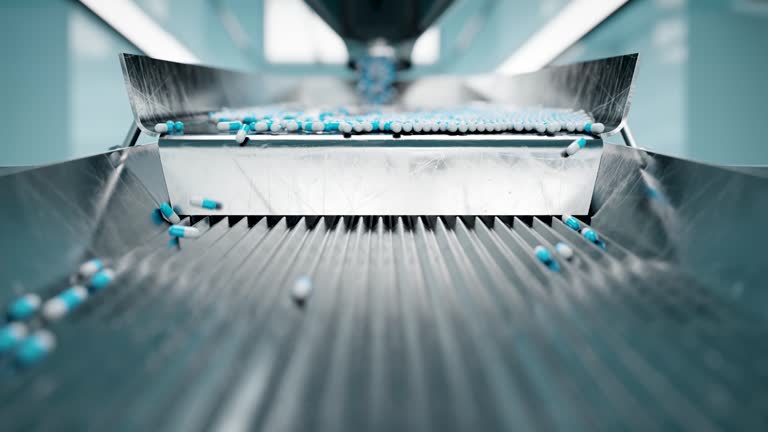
(541, 127)
(291, 126)
(24, 307)
(545, 257)
(226, 126)
(101, 280)
(396, 127)
(574, 147)
(553, 127)
(205, 203)
(11, 335)
(35, 348)
(302, 289)
(407, 127)
(463, 127)
(168, 214)
(345, 127)
(178, 127)
(594, 128)
(276, 126)
(572, 222)
(64, 303)
(183, 231)
(453, 127)
(590, 234)
(89, 268)
(317, 126)
(564, 250)
(241, 134)
(163, 128)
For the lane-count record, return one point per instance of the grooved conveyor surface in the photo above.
(414, 323)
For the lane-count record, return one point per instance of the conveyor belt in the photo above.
(417, 323)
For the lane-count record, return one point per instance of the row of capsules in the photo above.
(469, 120)
(564, 250)
(25, 333)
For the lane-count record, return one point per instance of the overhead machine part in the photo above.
(435, 281)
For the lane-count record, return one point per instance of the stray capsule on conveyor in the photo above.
(241, 133)
(64, 303)
(545, 256)
(183, 231)
(168, 214)
(302, 289)
(592, 236)
(574, 147)
(35, 348)
(205, 203)
(24, 307)
(101, 280)
(572, 222)
(11, 335)
(564, 251)
(89, 268)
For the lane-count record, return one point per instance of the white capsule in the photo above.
(564, 250)
(407, 127)
(168, 213)
(291, 126)
(90, 267)
(64, 303)
(396, 127)
(240, 136)
(541, 127)
(452, 127)
(594, 128)
(553, 127)
(184, 231)
(463, 128)
(261, 126)
(318, 126)
(161, 128)
(480, 127)
(302, 289)
(345, 127)
(276, 126)
(443, 126)
(368, 126)
(574, 147)
(418, 127)
(570, 126)
(358, 127)
(528, 126)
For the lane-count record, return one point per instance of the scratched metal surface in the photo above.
(708, 219)
(160, 90)
(54, 215)
(601, 87)
(415, 323)
(434, 175)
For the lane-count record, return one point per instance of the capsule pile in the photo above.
(469, 120)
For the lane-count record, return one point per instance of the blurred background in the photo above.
(700, 89)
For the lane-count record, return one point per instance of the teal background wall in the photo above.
(700, 88)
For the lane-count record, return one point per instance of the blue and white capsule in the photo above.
(166, 127)
(24, 307)
(205, 203)
(545, 256)
(302, 289)
(574, 147)
(90, 268)
(35, 348)
(168, 214)
(183, 231)
(228, 126)
(590, 234)
(240, 136)
(68, 300)
(564, 251)
(572, 222)
(11, 335)
(101, 280)
(594, 128)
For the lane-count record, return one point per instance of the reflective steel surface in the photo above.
(431, 175)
